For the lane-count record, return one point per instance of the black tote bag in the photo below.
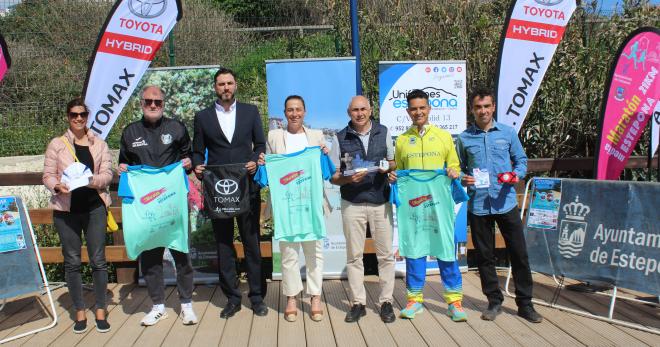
(226, 190)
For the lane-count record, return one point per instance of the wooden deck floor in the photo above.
(129, 303)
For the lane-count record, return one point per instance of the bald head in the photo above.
(358, 101)
(360, 112)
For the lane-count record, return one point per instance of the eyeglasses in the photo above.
(75, 115)
(155, 102)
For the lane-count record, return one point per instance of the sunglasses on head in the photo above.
(78, 114)
(156, 102)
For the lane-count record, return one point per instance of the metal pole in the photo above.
(649, 162)
(356, 46)
(171, 49)
(610, 313)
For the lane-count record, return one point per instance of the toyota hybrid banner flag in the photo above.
(5, 59)
(129, 40)
(532, 32)
(630, 100)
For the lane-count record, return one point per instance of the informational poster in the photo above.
(11, 230)
(443, 81)
(544, 207)
(315, 80)
(20, 271)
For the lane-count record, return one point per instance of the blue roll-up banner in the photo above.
(606, 231)
(327, 85)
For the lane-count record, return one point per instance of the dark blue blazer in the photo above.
(246, 144)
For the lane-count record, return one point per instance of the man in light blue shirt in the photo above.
(492, 161)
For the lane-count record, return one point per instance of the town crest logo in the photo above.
(573, 229)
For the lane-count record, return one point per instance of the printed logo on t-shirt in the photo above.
(166, 139)
(420, 200)
(139, 142)
(286, 179)
(151, 196)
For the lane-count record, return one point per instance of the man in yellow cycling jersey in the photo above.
(425, 146)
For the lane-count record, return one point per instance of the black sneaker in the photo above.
(80, 326)
(260, 309)
(530, 314)
(102, 325)
(387, 313)
(492, 311)
(357, 311)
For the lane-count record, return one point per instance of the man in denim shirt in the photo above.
(492, 160)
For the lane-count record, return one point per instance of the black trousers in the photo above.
(483, 237)
(70, 226)
(248, 228)
(152, 268)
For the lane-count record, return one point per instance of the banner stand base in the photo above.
(46, 287)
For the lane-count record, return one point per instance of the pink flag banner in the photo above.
(5, 59)
(630, 100)
(127, 43)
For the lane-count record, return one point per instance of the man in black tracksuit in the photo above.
(159, 141)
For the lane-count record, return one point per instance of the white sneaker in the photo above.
(188, 315)
(153, 317)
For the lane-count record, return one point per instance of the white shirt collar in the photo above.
(219, 107)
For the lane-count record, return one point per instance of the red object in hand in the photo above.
(507, 177)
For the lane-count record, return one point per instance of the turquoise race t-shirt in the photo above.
(424, 202)
(154, 208)
(296, 192)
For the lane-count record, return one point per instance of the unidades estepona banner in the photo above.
(532, 32)
(128, 41)
(443, 81)
(630, 101)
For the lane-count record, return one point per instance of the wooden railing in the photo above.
(126, 267)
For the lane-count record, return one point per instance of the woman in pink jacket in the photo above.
(77, 172)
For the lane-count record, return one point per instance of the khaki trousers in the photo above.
(291, 281)
(355, 218)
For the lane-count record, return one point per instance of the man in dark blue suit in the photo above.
(232, 133)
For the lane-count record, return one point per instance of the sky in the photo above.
(609, 5)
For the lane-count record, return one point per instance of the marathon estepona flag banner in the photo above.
(5, 59)
(532, 32)
(630, 101)
(128, 41)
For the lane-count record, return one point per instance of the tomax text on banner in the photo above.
(128, 41)
(530, 38)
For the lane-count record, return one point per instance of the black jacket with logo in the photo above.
(156, 145)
